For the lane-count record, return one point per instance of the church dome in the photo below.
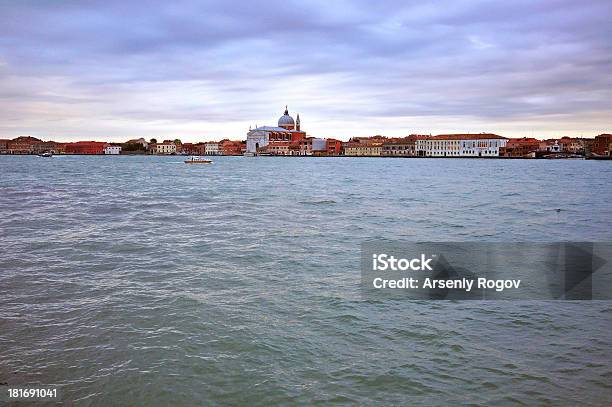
(286, 120)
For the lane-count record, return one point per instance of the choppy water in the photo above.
(144, 281)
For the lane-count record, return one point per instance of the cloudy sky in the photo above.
(202, 70)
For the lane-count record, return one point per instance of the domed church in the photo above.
(286, 121)
(282, 139)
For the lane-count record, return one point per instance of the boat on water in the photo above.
(45, 154)
(197, 160)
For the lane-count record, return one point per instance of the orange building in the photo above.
(231, 147)
(520, 147)
(334, 147)
(86, 147)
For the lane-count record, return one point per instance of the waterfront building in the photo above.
(24, 145)
(112, 150)
(366, 149)
(334, 147)
(587, 145)
(287, 130)
(60, 148)
(317, 145)
(460, 145)
(231, 147)
(545, 145)
(602, 145)
(4, 146)
(211, 148)
(553, 146)
(200, 148)
(310, 145)
(346, 145)
(188, 149)
(520, 147)
(364, 146)
(400, 147)
(86, 147)
(571, 145)
(47, 147)
(166, 148)
(258, 139)
(281, 148)
(563, 145)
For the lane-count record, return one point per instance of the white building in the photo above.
(554, 148)
(259, 137)
(112, 150)
(460, 145)
(211, 148)
(165, 148)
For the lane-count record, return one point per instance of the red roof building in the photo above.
(231, 147)
(86, 147)
(520, 147)
(24, 145)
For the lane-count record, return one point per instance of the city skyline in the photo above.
(206, 71)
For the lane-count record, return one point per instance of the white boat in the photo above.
(45, 154)
(197, 160)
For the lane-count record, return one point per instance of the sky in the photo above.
(207, 70)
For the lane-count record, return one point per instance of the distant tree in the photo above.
(178, 142)
(132, 147)
(153, 141)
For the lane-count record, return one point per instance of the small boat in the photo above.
(45, 154)
(197, 160)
